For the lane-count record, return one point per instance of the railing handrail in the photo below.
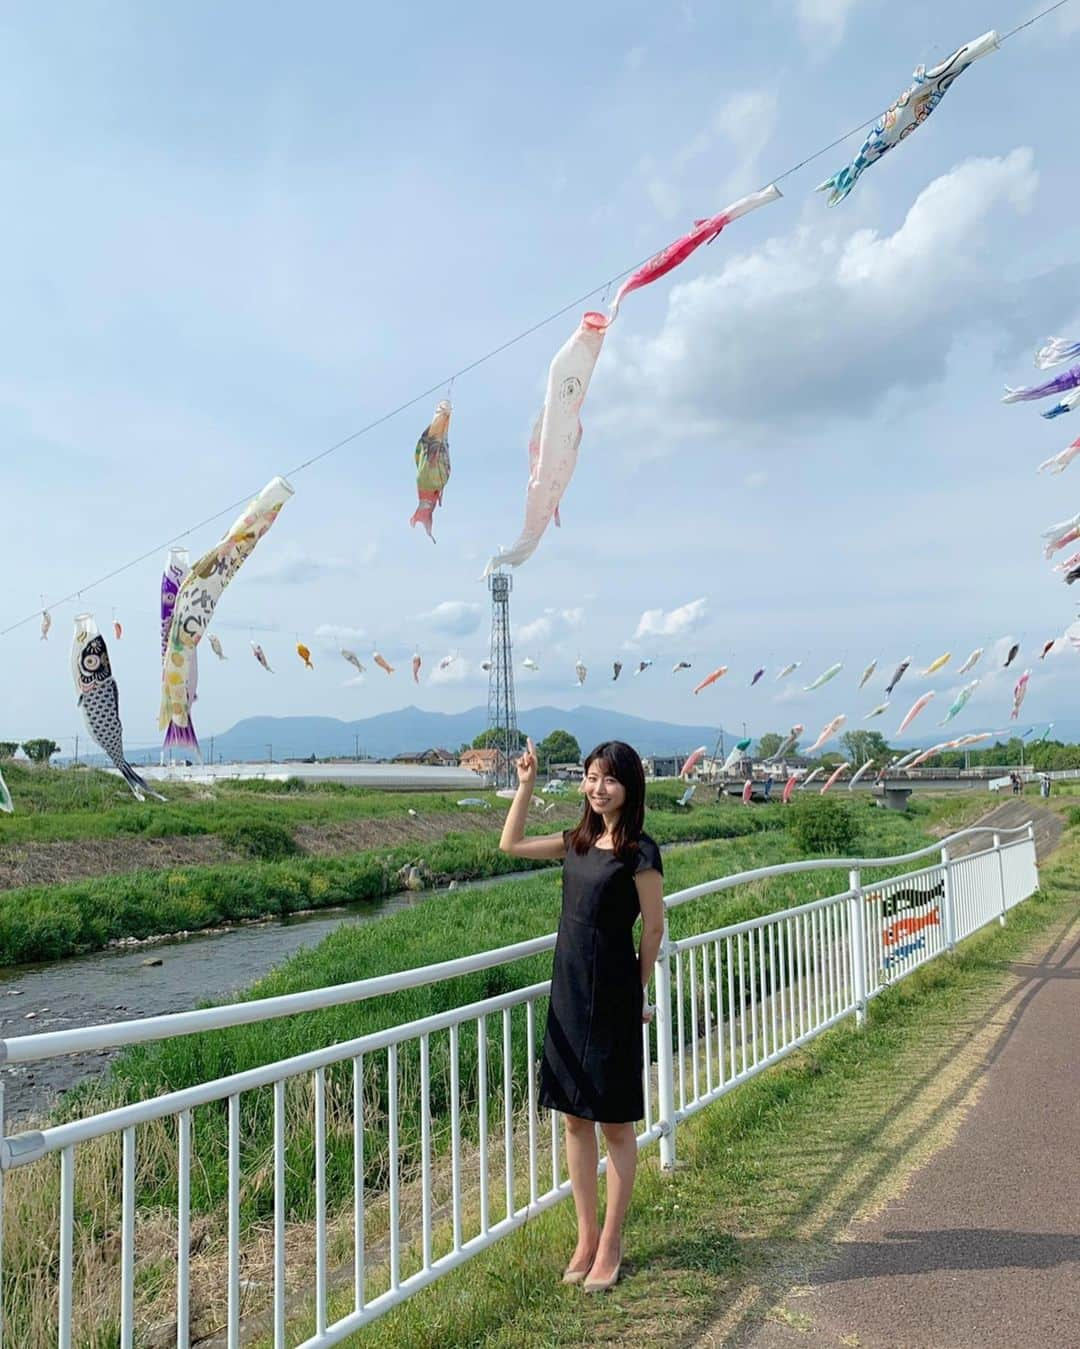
(53, 1044)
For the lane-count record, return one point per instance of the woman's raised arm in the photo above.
(513, 840)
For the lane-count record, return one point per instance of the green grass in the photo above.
(771, 1174)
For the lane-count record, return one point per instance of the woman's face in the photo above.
(603, 791)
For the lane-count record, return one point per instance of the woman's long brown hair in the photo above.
(622, 762)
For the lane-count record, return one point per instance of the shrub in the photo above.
(819, 824)
(261, 839)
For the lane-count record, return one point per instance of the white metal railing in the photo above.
(431, 1126)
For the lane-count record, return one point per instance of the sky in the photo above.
(237, 235)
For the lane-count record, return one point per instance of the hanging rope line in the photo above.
(441, 384)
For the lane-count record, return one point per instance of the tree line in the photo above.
(37, 751)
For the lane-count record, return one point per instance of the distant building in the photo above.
(434, 758)
(567, 772)
(486, 761)
(663, 765)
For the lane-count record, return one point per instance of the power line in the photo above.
(457, 374)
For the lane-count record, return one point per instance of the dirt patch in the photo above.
(82, 859)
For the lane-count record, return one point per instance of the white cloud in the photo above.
(457, 672)
(674, 622)
(635, 58)
(454, 617)
(336, 636)
(823, 21)
(292, 565)
(552, 623)
(831, 321)
(755, 480)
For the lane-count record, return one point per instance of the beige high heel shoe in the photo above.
(603, 1285)
(577, 1275)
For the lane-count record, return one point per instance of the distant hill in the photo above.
(413, 728)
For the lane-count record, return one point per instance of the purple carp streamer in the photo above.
(959, 702)
(197, 600)
(99, 700)
(908, 113)
(432, 458)
(1056, 351)
(827, 733)
(824, 677)
(1019, 694)
(6, 804)
(1069, 379)
(757, 675)
(971, 661)
(898, 674)
(914, 710)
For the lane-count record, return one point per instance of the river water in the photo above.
(118, 985)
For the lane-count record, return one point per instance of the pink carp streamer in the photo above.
(692, 761)
(914, 710)
(835, 775)
(416, 663)
(747, 791)
(704, 232)
(1019, 693)
(711, 678)
(789, 787)
(1058, 463)
(827, 733)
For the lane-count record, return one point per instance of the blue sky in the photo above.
(234, 235)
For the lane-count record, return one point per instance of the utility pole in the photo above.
(76, 747)
(356, 746)
(270, 753)
(211, 751)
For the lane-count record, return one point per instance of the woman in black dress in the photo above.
(591, 1069)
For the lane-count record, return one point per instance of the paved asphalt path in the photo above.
(982, 1251)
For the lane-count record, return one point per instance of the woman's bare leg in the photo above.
(582, 1158)
(621, 1168)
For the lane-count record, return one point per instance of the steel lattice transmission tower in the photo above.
(502, 709)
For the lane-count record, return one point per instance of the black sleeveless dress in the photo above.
(592, 1063)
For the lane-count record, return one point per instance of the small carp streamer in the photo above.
(1065, 405)
(680, 665)
(305, 655)
(118, 629)
(914, 710)
(876, 711)
(747, 791)
(789, 742)
(859, 774)
(485, 665)
(416, 663)
(616, 668)
(827, 733)
(353, 660)
(1019, 694)
(898, 674)
(960, 702)
(1014, 651)
(643, 665)
(757, 675)
(711, 678)
(1069, 563)
(447, 661)
(1056, 351)
(789, 669)
(215, 646)
(824, 677)
(382, 662)
(1047, 648)
(176, 571)
(936, 665)
(812, 777)
(692, 761)
(1068, 379)
(971, 661)
(6, 804)
(908, 113)
(1058, 463)
(789, 787)
(736, 755)
(529, 664)
(260, 656)
(835, 776)
(46, 624)
(99, 701)
(704, 232)
(867, 673)
(432, 467)
(581, 671)
(197, 600)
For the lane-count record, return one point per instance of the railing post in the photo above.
(1, 1217)
(947, 901)
(1001, 877)
(1035, 855)
(857, 928)
(665, 1060)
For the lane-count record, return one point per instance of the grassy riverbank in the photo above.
(452, 924)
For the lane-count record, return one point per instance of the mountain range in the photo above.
(412, 728)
